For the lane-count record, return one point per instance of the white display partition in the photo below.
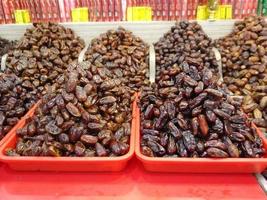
(150, 32)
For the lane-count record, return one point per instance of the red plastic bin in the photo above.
(78, 164)
(9, 134)
(199, 165)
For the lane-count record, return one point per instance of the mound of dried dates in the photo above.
(43, 54)
(83, 118)
(5, 46)
(15, 101)
(244, 59)
(186, 114)
(185, 42)
(124, 54)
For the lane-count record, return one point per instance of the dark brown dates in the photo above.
(192, 116)
(65, 124)
(244, 66)
(15, 101)
(41, 57)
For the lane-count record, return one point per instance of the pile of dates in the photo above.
(244, 62)
(185, 42)
(186, 114)
(5, 46)
(15, 101)
(124, 54)
(42, 55)
(83, 118)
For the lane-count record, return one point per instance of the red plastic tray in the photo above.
(96, 164)
(8, 135)
(199, 165)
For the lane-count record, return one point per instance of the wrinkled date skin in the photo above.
(186, 113)
(6, 46)
(123, 54)
(15, 101)
(85, 119)
(42, 55)
(185, 43)
(244, 64)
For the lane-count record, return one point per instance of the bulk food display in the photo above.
(34, 66)
(5, 46)
(15, 101)
(244, 64)
(90, 111)
(81, 119)
(86, 109)
(42, 55)
(125, 55)
(186, 113)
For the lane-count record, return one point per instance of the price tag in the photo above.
(80, 14)
(139, 13)
(202, 12)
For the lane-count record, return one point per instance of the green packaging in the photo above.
(264, 7)
(259, 8)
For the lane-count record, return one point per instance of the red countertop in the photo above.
(132, 183)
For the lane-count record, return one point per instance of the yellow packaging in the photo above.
(19, 16)
(148, 14)
(75, 14)
(202, 12)
(139, 13)
(84, 14)
(130, 14)
(26, 16)
(220, 12)
(80, 14)
(228, 12)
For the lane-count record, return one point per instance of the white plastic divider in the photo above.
(262, 181)
(150, 32)
(219, 62)
(3, 62)
(82, 53)
(152, 64)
